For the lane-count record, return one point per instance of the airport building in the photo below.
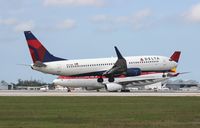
(190, 85)
(5, 86)
(179, 85)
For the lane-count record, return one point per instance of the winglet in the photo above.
(119, 55)
(175, 57)
(119, 67)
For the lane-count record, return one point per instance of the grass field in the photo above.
(99, 112)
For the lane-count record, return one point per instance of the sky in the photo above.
(74, 29)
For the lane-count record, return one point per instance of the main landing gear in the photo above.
(100, 80)
(164, 75)
(110, 79)
(125, 90)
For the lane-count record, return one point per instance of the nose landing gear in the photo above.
(164, 75)
(100, 80)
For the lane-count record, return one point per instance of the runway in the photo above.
(64, 93)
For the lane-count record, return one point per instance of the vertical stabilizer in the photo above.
(37, 50)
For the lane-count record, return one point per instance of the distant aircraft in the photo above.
(121, 83)
(110, 68)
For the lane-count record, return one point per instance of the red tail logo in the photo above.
(175, 57)
(37, 50)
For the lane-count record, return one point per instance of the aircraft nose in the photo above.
(32, 66)
(56, 81)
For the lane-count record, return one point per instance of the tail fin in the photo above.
(175, 57)
(37, 50)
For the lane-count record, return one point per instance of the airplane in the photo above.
(121, 83)
(110, 68)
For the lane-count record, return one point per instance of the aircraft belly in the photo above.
(81, 83)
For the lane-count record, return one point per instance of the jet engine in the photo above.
(133, 72)
(111, 87)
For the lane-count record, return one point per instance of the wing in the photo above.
(141, 80)
(120, 66)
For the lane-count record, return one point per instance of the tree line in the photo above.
(27, 83)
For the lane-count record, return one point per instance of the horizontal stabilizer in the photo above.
(39, 64)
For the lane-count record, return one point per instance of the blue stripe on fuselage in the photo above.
(100, 73)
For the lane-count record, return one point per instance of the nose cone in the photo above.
(56, 82)
(32, 67)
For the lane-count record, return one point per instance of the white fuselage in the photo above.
(91, 83)
(91, 67)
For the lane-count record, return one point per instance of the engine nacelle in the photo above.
(111, 87)
(133, 72)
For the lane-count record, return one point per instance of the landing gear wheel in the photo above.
(100, 80)
(111, 79)
(164, 75)
(126, 90)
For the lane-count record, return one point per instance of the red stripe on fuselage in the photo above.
(95, 77)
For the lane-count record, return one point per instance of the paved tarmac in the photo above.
(87, 93)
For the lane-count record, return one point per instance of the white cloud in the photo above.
(137, 20)
(142, 14)
(8, 21)
(101, 18)
(24, 26)
(193, 14)
(67, 24)
(17, 25)
(97, 3)
(107, 29)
